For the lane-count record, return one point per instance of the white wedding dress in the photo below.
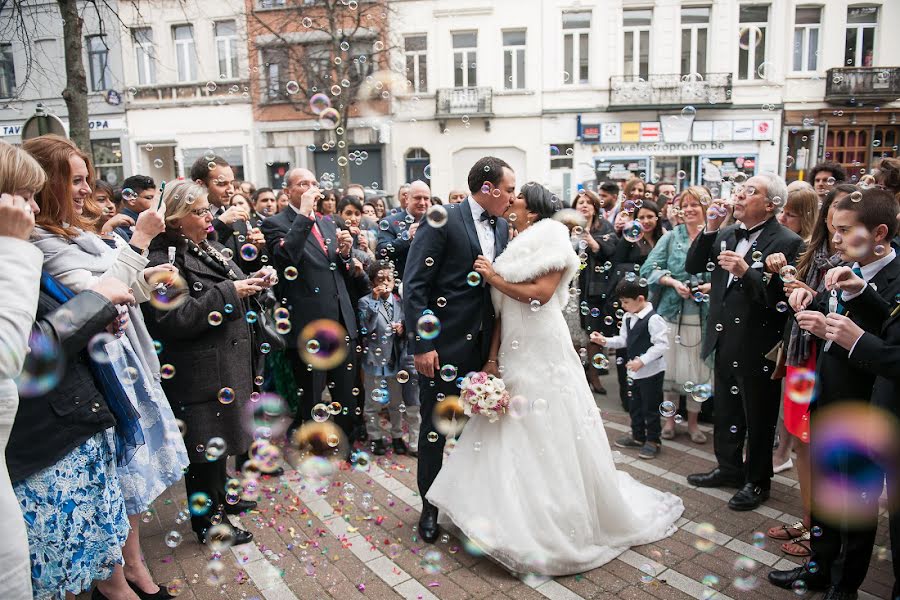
(538, 490)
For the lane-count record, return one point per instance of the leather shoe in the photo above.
(399, 446)
(835, 594)
(715, 478)
(428, 526)
(240, 536)
(161, 594)
(748, 497)
(786, 579)
(239, 507)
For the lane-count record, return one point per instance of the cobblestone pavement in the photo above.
(359, 540)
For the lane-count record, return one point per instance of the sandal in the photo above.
(698, 437)
(783, 532)
(802, 543)
(668, 433)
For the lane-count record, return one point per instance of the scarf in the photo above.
(128, 434)
(799, 345)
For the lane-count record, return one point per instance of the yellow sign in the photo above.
(631, 132)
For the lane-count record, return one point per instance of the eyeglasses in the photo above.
(201, 212)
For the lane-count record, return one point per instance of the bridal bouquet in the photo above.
(484, 395)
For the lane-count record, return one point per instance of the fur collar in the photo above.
(543, 247)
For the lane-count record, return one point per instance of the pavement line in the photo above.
(380, 564)
(265, 576)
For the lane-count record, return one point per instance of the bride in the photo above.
(538, 490)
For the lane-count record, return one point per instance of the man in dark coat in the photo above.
(397, 230)
(321, 255)
(743, 326)
(438, 266)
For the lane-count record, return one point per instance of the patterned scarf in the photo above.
(799, 345)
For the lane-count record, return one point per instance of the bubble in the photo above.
(329, 118)
(432, 436)
(429, 262)
(856, 196)
(688, 386)
(473, 279)
(215, 448)
(320, 413)
(158, 163)
(539, 406)
(733, 429)
(322, 344)
(788, 274)
(166, 371)
(600, 361)
(667, 408)
(129, 195)
(448, 416)
(705, 533)
(97, 347)
(199, 504)
(249, 252)
(226, 395)
(168, 290)
(323, 439)
(688, 112)
(632, 232)
(799, 587)
(172, 539)
(380, 396)
(781, 306)
(292, 87)
(428, 327)
(535, 305)
(436, 216)
(290, 273)
(214, 318)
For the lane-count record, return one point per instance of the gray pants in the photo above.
(406, 394)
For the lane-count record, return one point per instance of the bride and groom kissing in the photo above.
(537, 490)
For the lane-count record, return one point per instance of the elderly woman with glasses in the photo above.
(209, 344)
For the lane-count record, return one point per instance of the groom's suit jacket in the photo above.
(439, 261)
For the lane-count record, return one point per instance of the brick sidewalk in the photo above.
(359, 541)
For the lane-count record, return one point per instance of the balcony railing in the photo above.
(220, 92)
(854, 85)
(461, 102)
(669, 90)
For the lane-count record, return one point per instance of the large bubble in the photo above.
(323, 344)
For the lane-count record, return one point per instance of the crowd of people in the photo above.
(144, 326)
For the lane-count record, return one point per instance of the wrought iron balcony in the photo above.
(854, 85)
(669, 90)
(168, 94)
(464, 102)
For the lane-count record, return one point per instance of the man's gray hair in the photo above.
(776, 188)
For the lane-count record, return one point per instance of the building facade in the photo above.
(36, 75)
(187, 88)
(572, 93)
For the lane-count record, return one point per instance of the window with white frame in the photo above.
(227, 49)
(694, 39)
(415, 49)
(754, 23)
(576, 46)
(7, 71)
(514, 60)
(859, 49)
(185, 55)
(636, 25)
(98, 60)
(465, 65)
(275, 63)
(144, 55)
(807, 23)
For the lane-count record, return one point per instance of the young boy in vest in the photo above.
(643, 334)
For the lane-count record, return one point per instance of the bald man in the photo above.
(321, 254)
(394, 241)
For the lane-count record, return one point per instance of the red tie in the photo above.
(319, 238)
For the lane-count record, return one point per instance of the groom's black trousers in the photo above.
(431, 454)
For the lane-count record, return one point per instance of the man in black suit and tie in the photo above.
(394, 240)
(322, 256)
(437, 280)
(742, 327)
(219, 183)
(861, 301)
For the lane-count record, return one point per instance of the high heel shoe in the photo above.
(240, 536)
(161, 594)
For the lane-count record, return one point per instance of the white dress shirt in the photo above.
(744, 246)
(483, 229)
(654, 358)
(868, 272)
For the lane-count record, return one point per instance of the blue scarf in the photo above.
(129, 436)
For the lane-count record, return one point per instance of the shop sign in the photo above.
(649, 132)
(631, 132)
(590, 133)
(611, 133)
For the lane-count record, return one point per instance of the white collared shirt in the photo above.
(654, 358)
(869, 271)
(483, 229)
(744, 246)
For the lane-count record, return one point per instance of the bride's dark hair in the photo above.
(540, 200)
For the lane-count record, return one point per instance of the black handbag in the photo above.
(264, 329)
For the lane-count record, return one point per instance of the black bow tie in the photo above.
(485, 216)
(744, 234)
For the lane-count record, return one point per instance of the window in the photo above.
(317, 66)
(860, 45)
(271, 3)
(417, 159)
(145, 55)
(694, 36)
(636, 24)
(7, 71)
(514, 60)
(561, 156)
(98, 59)
(275, 69)
(185, 56)
(226, 49)
(754, 20)
(108, 160)
(465, 66)
(806, 38)
(415, 47)
(576, 46)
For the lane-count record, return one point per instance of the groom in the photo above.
(437, 279)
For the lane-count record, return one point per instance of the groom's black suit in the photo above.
(467, 318)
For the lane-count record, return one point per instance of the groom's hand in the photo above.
(427, 363)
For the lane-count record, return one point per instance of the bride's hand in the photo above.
(484, 268)
(490, 367)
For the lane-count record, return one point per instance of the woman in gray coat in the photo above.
(208, 349)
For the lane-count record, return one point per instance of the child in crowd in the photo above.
(643, 334)
(388, 371)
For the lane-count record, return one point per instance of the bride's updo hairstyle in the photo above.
(540, 200)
